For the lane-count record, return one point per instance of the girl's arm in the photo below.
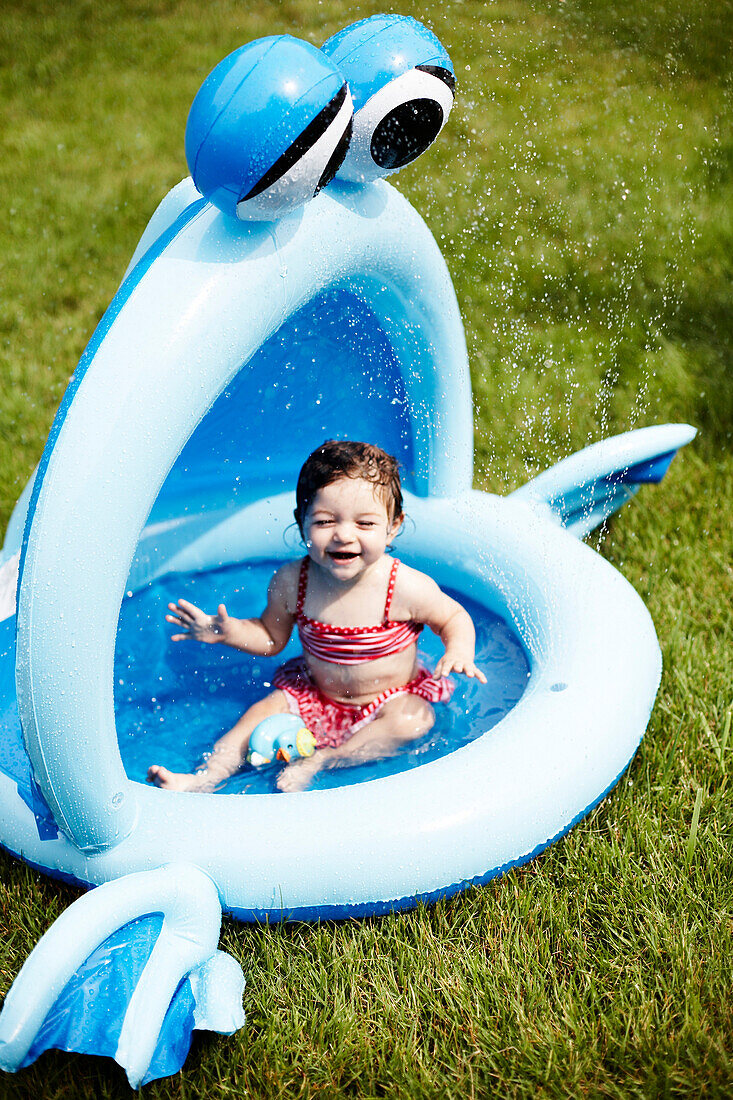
(458, 635)
(428, 604)
(263, 637)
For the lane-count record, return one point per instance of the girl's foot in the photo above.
(297, 776)
(180, 781)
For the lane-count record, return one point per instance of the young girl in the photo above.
(359, 686)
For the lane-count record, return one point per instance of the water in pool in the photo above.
(173, 699)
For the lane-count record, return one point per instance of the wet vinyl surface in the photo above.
(174, 699)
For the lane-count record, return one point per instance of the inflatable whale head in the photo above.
(274, 122)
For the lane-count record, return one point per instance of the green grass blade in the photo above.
(692, 839)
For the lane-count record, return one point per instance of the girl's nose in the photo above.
(344, 532)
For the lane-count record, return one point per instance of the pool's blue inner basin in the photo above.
(174, 699)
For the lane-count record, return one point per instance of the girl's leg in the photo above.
(227, 755)
(402, 719)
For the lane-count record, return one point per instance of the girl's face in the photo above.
(347, 527)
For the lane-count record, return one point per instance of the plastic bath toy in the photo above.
(280, 737)
(338, 319)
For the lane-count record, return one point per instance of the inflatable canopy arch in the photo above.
(229, 351)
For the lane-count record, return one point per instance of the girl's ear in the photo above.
(396, 527)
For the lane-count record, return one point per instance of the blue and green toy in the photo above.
(281, 737)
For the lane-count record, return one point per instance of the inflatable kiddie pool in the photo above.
(233, 347)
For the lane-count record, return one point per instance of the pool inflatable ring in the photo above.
(199, 305)
(338, 320)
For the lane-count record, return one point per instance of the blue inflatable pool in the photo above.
(233, 347)
(148, 473)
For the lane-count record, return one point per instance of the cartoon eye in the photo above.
(268, 128)
(400, 121)
(402, 84)
(306, 166)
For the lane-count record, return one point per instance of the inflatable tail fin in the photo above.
(128, 971)
(587, 487)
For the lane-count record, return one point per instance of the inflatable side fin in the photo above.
(585, 488)
(650, 473)
(128, 971)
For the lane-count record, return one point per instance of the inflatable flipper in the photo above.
(128, 971)
(582, 490)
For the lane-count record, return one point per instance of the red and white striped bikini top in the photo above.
(352, 645)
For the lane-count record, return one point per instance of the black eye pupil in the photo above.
(406, 132)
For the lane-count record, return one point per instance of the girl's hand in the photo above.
(455, 661)
(197, 625)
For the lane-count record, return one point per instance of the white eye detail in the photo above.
(305, 167)
(398, 123)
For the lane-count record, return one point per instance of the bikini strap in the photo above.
(302, 588)
(390, 590)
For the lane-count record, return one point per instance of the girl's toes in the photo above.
(294, 778)
(160, 776)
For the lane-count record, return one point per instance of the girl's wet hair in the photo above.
(337, 458)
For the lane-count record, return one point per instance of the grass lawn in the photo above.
(582, 196)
